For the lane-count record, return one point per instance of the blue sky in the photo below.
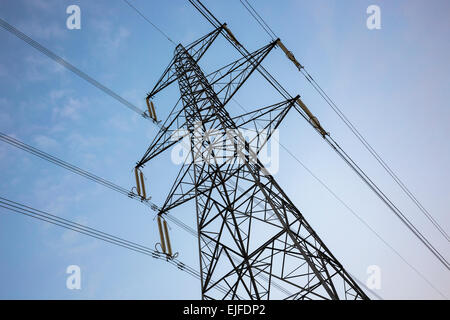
(392, 83)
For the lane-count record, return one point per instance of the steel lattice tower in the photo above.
(253, 241)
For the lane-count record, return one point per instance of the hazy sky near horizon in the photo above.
(392, 83)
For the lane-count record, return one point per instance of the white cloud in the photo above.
(40, 68)
(56, 193)
(119, 37)
(78, 141)
(112, 38)
(119, 123)
(46, 30)
(45, 142)
(69, 110)
(58, 94)
(45, 5)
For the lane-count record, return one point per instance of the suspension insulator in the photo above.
(138, 188)
(147, 100)
(153, 110)
(289, 54)
(161, 235)
(312, 119)
(144, 195)
(166, 232)
(230, 34)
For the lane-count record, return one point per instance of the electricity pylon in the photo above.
(252, 239)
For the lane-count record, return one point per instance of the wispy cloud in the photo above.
(44, 19)
(119, 37)
(58, 94)
(43, 30)
(39, 68)
(70, 109)
(77, 141)
(45, 5)
(45, 142)
(119, 123)
(112, 37)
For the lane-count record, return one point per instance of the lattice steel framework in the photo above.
(253, 241)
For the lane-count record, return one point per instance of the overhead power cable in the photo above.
(364, 222)
(389, 203)
(327, 188)
(59, 62)
(373, 152)
(216, 23)
(74, 169)
(154, 207)
(95, 233)
(8, 27)
(151, 23)
(351, 126)
(259, 19)
(43, 155)
(252, 13)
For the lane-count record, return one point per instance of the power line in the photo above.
(43, 155)
(252, 13)
(389, 203)
(260, 21)
(124, 191)
(351, 210)
(59, 62)
(8, 27)
(241, 49)
(65, 223)
(83, 75)
(66, 165)
(215, 22)
(373, 152)
(95, 233)
(275, 200)
(281, 288)
(363, 221)
(151, 23)
(352, 128)
(74, 169)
